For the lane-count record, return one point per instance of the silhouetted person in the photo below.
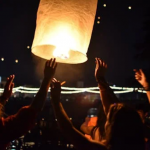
(124, 128)
(16, 125)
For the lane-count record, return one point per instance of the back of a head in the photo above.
(125, 129)
(100, 124)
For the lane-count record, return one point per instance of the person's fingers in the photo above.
(137, 77)
(12, 86)
(55, 65)
(141, 72)
(138, 72)
(95, 59)
(135, 70)
(53, 62)
(54, 79)
(49, 62)
(97, 63)
(46, 64)
(7, 83)
(13, 76)
(11, 79)
(53, 82)
(106, 65)
(103, 64)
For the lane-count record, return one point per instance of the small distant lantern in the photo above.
(129, 7)
(16, 61)
(2, 59)
(104, 5)
(64, 29)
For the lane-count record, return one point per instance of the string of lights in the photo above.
(73, 90)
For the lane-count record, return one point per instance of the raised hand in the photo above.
(49, 70)
(8, 89)
(55, 90)
(141, 78)
(100, 69)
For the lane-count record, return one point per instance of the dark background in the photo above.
(116, 40)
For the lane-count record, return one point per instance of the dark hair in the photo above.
(100, 125)
(124, 130)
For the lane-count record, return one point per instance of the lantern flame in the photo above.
(61, 52)
(63, 40)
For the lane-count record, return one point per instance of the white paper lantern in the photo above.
(64, 29)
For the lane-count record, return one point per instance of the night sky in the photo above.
(113, 40)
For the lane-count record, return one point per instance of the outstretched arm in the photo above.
(141, 78)
(106, 93)
(66, 126)
(38, 102)
(19, 124)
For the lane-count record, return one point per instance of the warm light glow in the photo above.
(16, 61)
(98, 17)
(74, 90)
(98, 22)
(129, 7)
(61, 52)
(64, 29)
(104, 5)
(28, 47)
(2, 59)
(63, 41)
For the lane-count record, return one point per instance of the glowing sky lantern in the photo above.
(63, 29)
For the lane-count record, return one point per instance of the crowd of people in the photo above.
(118, 127)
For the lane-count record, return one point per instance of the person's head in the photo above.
(142, 109)
(100, 124)
(124, 128)
(101, 121)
